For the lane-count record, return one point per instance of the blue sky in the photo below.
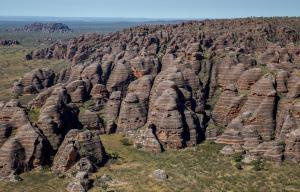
(150, 8)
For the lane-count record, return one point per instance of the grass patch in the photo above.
(126, 141)
(258, 164)
(14, 66)
(199, 168)
(238, 165)
(266, 71)
(238, 157)
(37, 181)
(25, 99)
(33, 115)
(244, 92)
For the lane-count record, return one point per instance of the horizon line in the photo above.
(140, 18)
(104, 17)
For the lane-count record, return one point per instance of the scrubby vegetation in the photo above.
(39, 181)
(199, 168)
(33, 115)
(13, 66)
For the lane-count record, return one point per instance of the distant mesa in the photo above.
(44, 27)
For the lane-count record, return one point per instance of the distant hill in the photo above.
(85, 19)
(80, 25)
(44, 27)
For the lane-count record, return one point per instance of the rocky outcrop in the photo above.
(81, 183)
(57, 117)
(261, 104)
(22, 145)
(34, 81)
(170, 86)
(42, 97)
(76, 145)
(144, 66)
(228, 106)
(294, 85)
(112, 109)
(148, 140)
(93, 73)
(100, 95)
(78, 90)
(248, 78)
(175, 125)
(5, 131)
(134, 108)
(119, 78)
(281, 81)
(272, 151)
(292, 148)
(90, 120)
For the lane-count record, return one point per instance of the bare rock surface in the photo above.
(56, 117)
(34, 81)
(22, 145)
(76, 145)
(160, 175)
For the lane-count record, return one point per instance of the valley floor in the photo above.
(13, 66)
(200, 168)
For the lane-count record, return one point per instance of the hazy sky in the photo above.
(150, 8)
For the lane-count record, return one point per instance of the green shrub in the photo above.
(258, 164)
(101, 184)
(282, 143)
(238, 157)
(125, 141)
(114, 155)
(273, 136)
(33, 115)
(238, 165)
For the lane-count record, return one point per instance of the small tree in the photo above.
(258, 164)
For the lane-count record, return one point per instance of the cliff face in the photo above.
(171, 86)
